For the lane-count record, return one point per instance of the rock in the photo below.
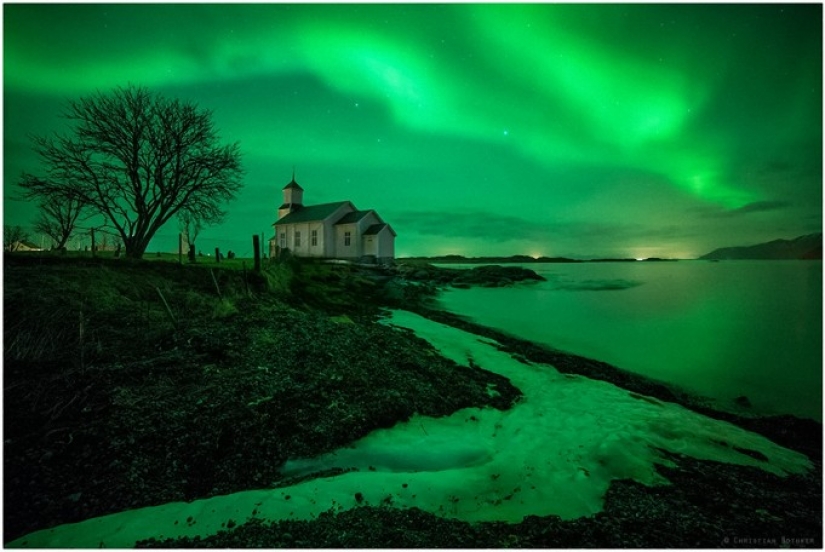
(752, 453)
(743, 401)
(485, 275)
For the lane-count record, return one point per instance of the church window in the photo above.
(297, 239)
(283, 240)
(347, 238)
(313, 238)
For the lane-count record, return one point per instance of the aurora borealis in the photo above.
(557, 130)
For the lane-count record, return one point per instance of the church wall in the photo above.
(317, 250)
(371, 245)
(351, 251)
(330, 235)
(305, 248)
(386, 244)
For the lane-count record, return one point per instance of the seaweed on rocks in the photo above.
(707, 505)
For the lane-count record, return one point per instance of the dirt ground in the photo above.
(157, 383)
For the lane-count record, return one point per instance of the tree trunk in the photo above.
(135, 248)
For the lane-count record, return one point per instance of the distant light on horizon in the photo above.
(632, 140)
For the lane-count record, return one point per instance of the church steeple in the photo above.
(293, 198)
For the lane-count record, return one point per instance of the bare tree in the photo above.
(193, 221)
(137, 158)
(58, 217)
(13, 236)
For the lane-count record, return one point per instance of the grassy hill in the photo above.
(129, 384)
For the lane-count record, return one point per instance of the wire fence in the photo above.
(94, 239)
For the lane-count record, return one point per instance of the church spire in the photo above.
(293, 197)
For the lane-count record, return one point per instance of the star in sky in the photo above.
(643, 130)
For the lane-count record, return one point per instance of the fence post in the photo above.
(168, 310)
(180, 248)
(215, 280)
(217, 254)
(256, 247)
(245, 280)
(93, 243)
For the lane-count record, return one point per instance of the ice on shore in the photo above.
(555, 452)
(718, 330)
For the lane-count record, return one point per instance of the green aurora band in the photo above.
(605, 129)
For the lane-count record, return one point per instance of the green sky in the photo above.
(575, 130)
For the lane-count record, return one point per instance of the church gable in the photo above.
(376, 229)
(352, 217)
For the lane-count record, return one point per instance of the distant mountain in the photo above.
(803, 247)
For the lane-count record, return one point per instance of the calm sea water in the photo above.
(721, 330)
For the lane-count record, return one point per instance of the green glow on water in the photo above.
(721, 330)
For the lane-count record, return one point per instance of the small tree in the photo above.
(58, 218)
(137, 159)
(193, 221)
(13, 236)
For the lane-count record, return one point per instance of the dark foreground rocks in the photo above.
(707, 505)
(210, 405)
(209, 396)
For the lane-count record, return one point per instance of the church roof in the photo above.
(312, 212)
(352, 217)
(293, 185)
(376, 228)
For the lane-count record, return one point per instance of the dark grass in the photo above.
(147, 405)
(121, 403)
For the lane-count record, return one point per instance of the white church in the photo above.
(330, 230)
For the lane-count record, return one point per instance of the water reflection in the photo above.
(723, 330)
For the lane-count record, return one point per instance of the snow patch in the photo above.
(555, 452)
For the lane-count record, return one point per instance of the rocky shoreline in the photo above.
(803, 435)
(707, 505)
(800, 434)
(225, 400)
(484, 275)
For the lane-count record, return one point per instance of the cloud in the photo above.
(493, 227)
(756, 207)
(748, 209)
(503, 228)
(775, 167)
(759, 206)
